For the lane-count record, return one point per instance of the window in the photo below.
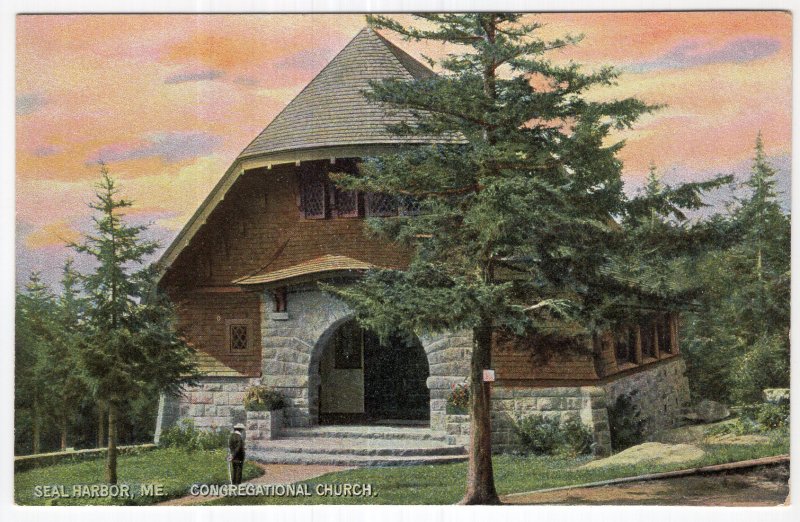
(280, 299)
(625, 346)
(409, 206)
(238, 335)
(665, 334)
(347, 344)
(648, 341)
(380, 205)
(347, 203)
(314, 194)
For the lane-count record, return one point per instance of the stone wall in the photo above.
(293, 343)
(216, 402)
(584, 403)
(662, 391)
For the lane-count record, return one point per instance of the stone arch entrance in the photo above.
(294, 342)
(362, 379)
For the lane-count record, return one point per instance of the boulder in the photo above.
(776, 395)
(711, 411)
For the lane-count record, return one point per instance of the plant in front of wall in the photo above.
(458, 401)
(263, 398)
(625, 422)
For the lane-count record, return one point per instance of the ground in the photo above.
(273, 474)
(755, 487)
(444, 484)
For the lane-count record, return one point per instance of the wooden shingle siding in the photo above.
(276, 238)
(204, 318)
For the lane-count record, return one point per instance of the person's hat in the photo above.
(239, 426)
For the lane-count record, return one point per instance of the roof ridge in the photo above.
(305, 87)
(402, 56)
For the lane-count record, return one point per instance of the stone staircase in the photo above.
(357, 446)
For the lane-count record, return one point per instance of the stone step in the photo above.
(364, 446)
(351, 460)
(367, 432)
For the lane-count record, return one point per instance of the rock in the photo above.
(776, 395)
(651, 453)
(711, 411)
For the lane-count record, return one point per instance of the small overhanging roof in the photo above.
(330, 118)
(327, 265)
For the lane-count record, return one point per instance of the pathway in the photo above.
(273, 474)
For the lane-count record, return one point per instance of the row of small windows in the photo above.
(321, 199)
(657, 331)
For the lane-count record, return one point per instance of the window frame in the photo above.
(248, 325)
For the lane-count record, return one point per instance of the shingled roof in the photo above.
(332, 109)
(330, 117)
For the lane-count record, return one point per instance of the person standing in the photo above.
(236, 453)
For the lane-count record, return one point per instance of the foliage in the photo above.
(755, 419)
(176, 469)
(519, 194)
(458, 401)
(542, 435)
(625, 422)
(263, 398)
(737, 340)
(186, 436)
(130, 343)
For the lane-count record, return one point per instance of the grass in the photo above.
(444, 484)
(175, 469)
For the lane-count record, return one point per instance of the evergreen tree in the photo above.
(35, 332)
(512, 224)
(738, 342)
(64, 374)
(132, 346)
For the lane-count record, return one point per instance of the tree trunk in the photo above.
(101, 425)
(64, 431)
(37, 430)
(480, 476)
(111, 457)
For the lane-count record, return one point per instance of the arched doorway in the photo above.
(364, 380)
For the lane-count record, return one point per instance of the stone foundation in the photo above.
(662, 391)
(215, 402)
(293, 342)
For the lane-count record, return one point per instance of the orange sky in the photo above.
(168, 101)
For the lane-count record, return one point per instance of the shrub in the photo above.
(753, 419)
(458, 401)
(547, 436)
(773, 416)
(186, 436)
(263, 398)
(625, 422)
(578, 438)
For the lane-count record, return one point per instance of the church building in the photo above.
(244, 276)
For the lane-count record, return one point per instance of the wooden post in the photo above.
(656, 348)
(673, 326)
(637, 354)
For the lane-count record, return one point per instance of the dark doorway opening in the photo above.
(364, 380)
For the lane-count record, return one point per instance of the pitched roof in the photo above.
(330, 114)
(332, 109)
(321, 265)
